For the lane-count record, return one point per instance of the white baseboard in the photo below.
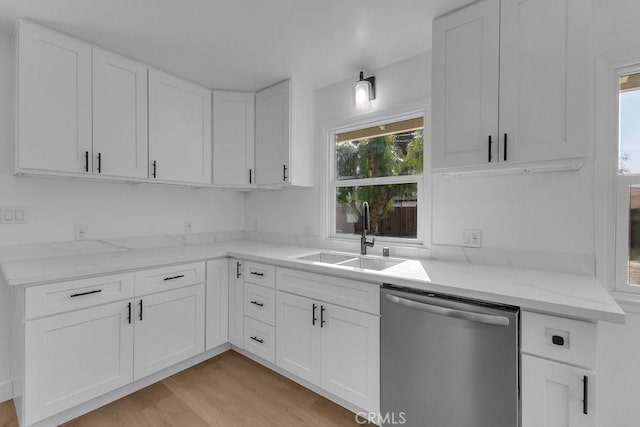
(6, 390)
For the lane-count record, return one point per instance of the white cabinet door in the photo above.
(543, 100)
(73, 357)
(179, 130)
(553, 394)
(233, 138)
(236, 303)
(298, 336)
(351, 356)
(54, 102)
(273, 133)
(217, 303)
(465, 86)
(169, 328)
(119, 116)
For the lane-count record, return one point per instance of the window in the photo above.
(381, 164)
(628, 182)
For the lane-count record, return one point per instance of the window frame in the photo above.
(423, 234)
(622, 183)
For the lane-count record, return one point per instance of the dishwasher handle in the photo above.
(450, 312)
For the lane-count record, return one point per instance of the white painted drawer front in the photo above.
(260, 339)
(261, 274)
(259, 303)
(166, 278)
(575, 340)
(76, 294)
(347, 293)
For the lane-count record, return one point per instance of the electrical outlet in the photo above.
(81, 232)
(472, 238)
(188, 226)
(13, 215)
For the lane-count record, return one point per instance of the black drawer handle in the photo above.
(255, 273)
(238, 273)
(129, 316)
(284, 172)
(250, 176)
(179, 276)
(259, 304)
(140, 315)
(155, 168)
(86, 161)
(79, 294)
(585, 394)
(99, 162)
(322, 321)
(505, 147)
(257, 339)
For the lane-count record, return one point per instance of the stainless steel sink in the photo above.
(327, 257)
(372, 263)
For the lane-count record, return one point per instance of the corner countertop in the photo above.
(570, 295)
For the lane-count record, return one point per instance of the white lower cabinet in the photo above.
(73, 357)
(556, 394)
(217, 311)
(334, 347)
(169, 329)
(298, 343)
(236, 303)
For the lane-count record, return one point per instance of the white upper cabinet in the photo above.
(465, 85)
(284, 135)
(533, 53)
(543, 79)
(179, 130)
(54, 102)
(119, 116)
(233, 138)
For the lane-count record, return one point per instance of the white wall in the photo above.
(109, 209)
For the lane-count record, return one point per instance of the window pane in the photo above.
(377, 154)
(634, 235)
(392, 207)
(629, 145)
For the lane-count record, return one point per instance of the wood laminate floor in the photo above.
(227, 390)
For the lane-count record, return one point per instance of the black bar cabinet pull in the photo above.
(154, 169)
(250, 177)
(284, 172)
(505, 147)
(179, 276)
(99, 162)
(140, 304)
(322, 321)
(129, 315)
(79, 294)
(257, 339)
(259, 304)
(255, 273)
(490, 142)
(86, 161)
(313, 315)
(237, 269)
(585, 394)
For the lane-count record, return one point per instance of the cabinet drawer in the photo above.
(259, 303)
(353, 294)
(260, 339)
(557, 338)
(76, 294)
(260, 274)
(166, 278)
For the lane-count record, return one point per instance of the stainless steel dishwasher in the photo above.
(447, 361)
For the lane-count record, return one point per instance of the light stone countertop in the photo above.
(554, 293)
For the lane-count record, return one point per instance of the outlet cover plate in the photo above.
(81, 232)
(472, 238)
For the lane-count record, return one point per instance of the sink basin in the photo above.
(327, 258)
(372, 263)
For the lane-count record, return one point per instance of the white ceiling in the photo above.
(245, 44)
